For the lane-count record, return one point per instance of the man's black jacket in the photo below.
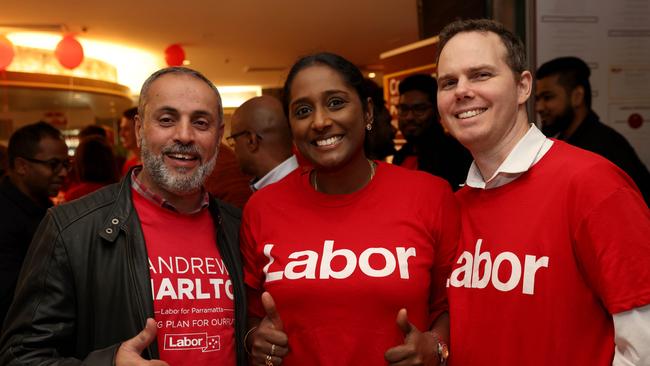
(595, 136)
(19, 218)
(85, 286)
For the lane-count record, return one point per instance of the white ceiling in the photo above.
(223, 38)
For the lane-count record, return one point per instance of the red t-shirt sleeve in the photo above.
(253, 273)
(612, 243)
(446, 231)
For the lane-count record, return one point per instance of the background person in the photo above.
(346, 262)
(129, 140)
(380, 139)
(73, 177)
(38, 165)
(261, 139)
(95, 166)
(4, 160)
(428, 147)
(227, 182)
(563, 101)
(93, 130)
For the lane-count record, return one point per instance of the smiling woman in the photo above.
(328, 113)
(348, 244)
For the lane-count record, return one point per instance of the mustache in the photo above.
(177, 148)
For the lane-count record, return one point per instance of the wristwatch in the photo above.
(443, 352)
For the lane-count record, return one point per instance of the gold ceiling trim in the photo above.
(66, 83)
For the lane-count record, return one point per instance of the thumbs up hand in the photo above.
(269, 343)
(272, 315)
(419, 348)
(129, 353)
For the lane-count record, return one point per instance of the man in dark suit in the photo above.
(38, 165)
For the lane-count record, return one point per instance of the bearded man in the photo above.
(147, 268)
(563, 101)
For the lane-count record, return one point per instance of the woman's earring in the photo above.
(369, 124)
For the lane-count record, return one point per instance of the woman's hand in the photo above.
(268, 343)
(419, 348)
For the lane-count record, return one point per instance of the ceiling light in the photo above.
(234, 96)
(129, 73)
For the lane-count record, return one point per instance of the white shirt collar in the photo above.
(276, 173)
(528, 151)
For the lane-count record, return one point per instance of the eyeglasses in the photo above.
(419, 110)
(231, 139)
(54, 164)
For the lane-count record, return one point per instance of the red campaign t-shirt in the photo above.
(191, 288)
(545, 260)
(340, 267)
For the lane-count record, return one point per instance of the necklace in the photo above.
(372, 175)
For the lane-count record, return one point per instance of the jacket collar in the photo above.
(120, 211)
(140, 188)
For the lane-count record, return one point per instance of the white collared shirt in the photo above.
(528, 151)
(276, 173)
(632, 327)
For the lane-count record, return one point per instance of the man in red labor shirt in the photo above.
(154, 251)
(554, 257)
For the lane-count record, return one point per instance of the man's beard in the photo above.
(176, 181)
(422, 132)
(560, 124)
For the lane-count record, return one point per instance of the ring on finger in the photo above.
(272, 350)
(269, 360)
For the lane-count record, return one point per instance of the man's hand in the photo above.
(129, 353)
(269, 338)
(418, 348)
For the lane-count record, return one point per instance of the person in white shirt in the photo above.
(554, 257)
(261, 139)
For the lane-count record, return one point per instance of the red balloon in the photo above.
(69, 52)
(6, 53)
(174, 55)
